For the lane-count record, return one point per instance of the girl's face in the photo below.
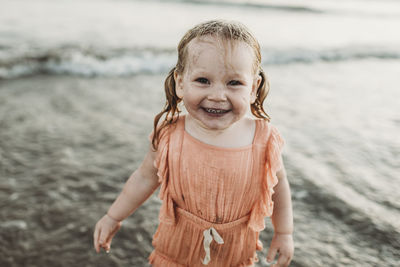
(218, 83)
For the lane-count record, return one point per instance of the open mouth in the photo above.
(216, 111)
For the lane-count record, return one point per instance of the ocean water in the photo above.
(124, 37)
(334, 68)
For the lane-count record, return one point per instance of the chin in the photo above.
(213, 122)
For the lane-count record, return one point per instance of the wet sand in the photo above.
(67, 145)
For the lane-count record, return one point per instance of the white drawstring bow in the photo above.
(210, 234)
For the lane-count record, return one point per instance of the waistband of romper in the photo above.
(206, 224)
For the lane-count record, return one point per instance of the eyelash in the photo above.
(203, 80)
(235, 82)
(206, 81)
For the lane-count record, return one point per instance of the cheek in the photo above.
(192, 98)
(241, 102)
(245, 97)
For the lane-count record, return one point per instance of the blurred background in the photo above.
(81, 81)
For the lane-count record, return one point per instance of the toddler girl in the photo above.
(220, 171)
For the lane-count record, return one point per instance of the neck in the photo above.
(238, 134)
(196, 128)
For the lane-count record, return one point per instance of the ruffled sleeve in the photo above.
(273, 163)
(167, 214)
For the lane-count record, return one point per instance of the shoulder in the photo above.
(267, 131)
(165, 132)
(172, 127)
(265, 127)
(165, 127)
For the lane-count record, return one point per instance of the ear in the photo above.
(256, 84)
(178, 84)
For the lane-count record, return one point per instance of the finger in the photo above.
(96, 239)
(271, 254)
(106, 247)
(103, 238)
(283, 260)
(110, 237)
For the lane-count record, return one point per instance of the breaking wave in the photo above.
(90, 62)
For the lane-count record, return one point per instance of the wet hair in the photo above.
(224, 30)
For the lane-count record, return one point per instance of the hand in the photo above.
(105, 230)
(282, 244)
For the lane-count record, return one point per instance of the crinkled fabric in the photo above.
(204, 187)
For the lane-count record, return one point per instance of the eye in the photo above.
(234, 82)
(202, 80)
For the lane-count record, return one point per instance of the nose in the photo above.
(217, 93)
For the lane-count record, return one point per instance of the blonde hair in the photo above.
(226, 30)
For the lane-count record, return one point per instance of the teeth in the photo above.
(215, 111)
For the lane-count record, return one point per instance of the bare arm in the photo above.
(282, 217)
(282, 220)
(140, 185)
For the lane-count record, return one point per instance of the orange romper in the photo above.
(214, 199)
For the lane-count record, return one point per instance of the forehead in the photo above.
(216, 46)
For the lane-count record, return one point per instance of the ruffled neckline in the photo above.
(220, 148)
